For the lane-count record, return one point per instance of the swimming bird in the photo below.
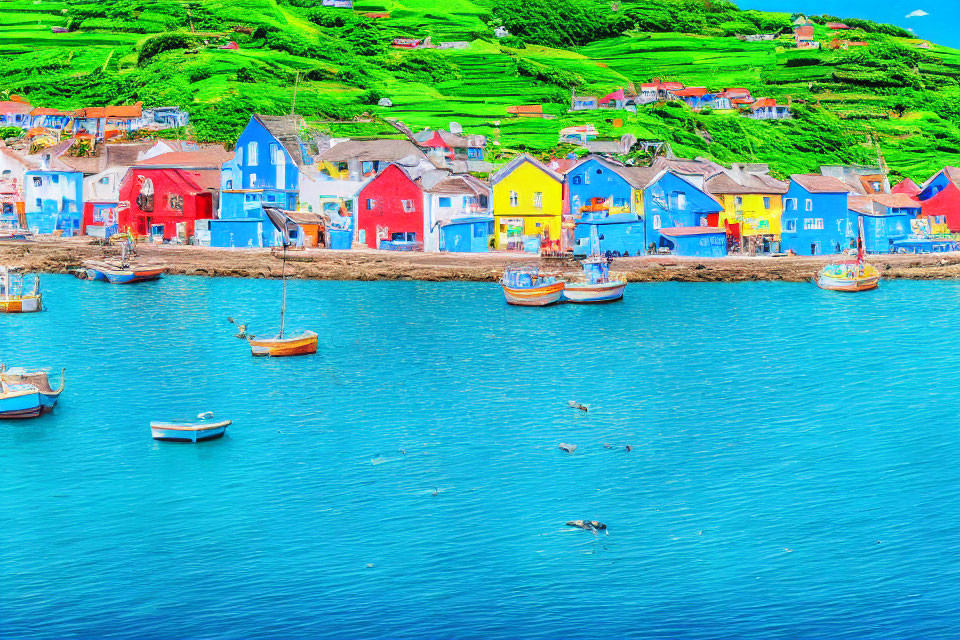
(588, 525)
(576, 405)
(569, 448)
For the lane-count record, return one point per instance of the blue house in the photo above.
(265, 171)
(53, 200)
(607, 197)
(678, 213)
(886, 219)
(816, 219)
(466, 235)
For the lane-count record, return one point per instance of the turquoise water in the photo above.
(793, 474)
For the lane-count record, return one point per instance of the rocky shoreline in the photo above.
(59, 256)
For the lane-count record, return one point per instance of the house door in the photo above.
(815, 249)
(363, 236)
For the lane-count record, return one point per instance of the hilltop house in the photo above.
(390, 211)
(455, 205)
(103, 123)
(606, 201)
(528, 204)
(816, 218)
(447, 148)
(52, 119)
(804, 39)
(768, 109)
(165, 117)
(908, 187)
(752, 206)
(15, 113)
(886, 219)
(265, 171)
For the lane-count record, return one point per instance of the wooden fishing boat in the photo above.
(189, 431)
(120, 271)
(304, 343)
(596, 285)
(39, 379)
(525, 286)
(14, 234)
(301, 345)
(18, 401)
(13, 295)
(852, 276)
(133, 273)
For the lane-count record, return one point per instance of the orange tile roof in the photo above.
(122, 111)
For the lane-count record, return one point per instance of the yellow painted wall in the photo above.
(526, 180)
(756, 219)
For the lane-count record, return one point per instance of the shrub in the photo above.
(164, 42)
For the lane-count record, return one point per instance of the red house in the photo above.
(390, 211)
(940, 196)
(908, 187)
(166, 201)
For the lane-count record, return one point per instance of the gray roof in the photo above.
(725, 183)
(286, 129)
(637, 177)
(372, 150)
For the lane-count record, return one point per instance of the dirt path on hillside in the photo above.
(59, 256)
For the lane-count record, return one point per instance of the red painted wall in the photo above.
(387, 191)
(197, 202)
(946, 203)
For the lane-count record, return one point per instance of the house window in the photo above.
(538, 200)
(176, 202)
(37, 181)
(105, 180)
(145, 197)
(276, 155)
(404, 236)
(239, 156)
(577, 180)
(656, 223)
(789, 204)
(228, 185)
(7, 172)
(56, 179)
(253, 180)
(39, 203)
(791, 225)
(252, 153)
(809, 204)
(443, 203)
(738, 200)
(408, 206)
(586, 177)
(679, 200)
(479, 230)
(766, 203)
(371, 203)
(514, 199)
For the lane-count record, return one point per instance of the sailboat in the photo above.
(282, 345)
(596, 283)
(850, 276)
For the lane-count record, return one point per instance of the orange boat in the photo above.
(525, 286)
(301, 345)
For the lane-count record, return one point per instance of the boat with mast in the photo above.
(852, 276)
(596, 284)
(305, 342)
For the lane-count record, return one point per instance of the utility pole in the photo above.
(296, 83)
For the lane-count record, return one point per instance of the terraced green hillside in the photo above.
(892, 94)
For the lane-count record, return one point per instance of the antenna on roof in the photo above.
(296, 83)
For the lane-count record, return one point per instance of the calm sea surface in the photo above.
(795, 470)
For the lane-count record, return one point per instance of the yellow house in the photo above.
(752, 204)
(527, 203)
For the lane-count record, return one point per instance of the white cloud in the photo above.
(919, 13)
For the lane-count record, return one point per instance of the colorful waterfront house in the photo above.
(13, 168)
(363, 159)
(335, 200)
(680, 217)
(445, 146)
(816, 218)
(752, 206)
(527, 204)
(15, 113)
(53, 201)
(940, 196)
(164, 202)
(264, 171)
(104, 123)
(886, 219)
(448, 198)
(390, 212)
(907, 186)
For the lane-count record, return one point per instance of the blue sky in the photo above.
(939, 26)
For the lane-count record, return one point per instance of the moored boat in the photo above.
(525, 286)
(852, 276)
(14, 297)
(39, 379)
(300, 345)
(19, 401)
(119, 272)
(596, 284)
(205, 429)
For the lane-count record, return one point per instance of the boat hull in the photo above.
(188, 432)
(534, 296)
(22, 304)
(594, 293)
(130, 276)
(302, 345)
(39, 379)
(830, 283)
(20, 401)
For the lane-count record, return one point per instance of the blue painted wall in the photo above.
(236, 233)
(620, 235)
(255, 156)
(592, 179)
(704, 245)
(54, 200)
(937, 184)
(471, 236)
(671, 201)
(879, 232)
(826, 229)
